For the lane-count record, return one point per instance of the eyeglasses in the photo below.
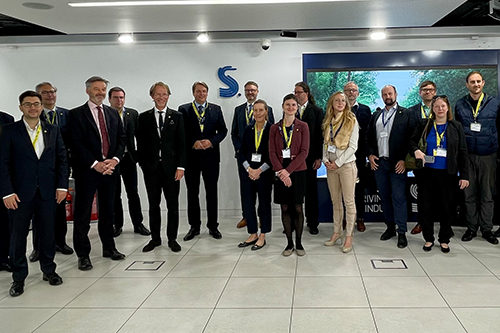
(427, 90)
(299, 92)
(28, 104)
(350, 90)
(46, 92)
(251, 90)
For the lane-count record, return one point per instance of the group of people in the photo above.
(103, 144)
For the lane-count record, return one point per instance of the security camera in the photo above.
(265, 44)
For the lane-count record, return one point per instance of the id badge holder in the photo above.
(440, 152)
(286, 153)
(475, 127)
(332, 149)
(256, 158)
(384, 134)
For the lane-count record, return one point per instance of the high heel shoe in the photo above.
(346, 249)
(332, 242)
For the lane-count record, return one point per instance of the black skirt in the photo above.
(293, 195)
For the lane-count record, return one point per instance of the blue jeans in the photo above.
(391, 188)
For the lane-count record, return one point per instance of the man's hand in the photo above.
(373, 164)
(60, 196)
(206, 143)
(179, 174)
(197, 145)
(110, 166)
(400, 167)
(11, 202)
(316, 164)
(100, 167)
(463, 183)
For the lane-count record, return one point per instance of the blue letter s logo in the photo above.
(229, 81)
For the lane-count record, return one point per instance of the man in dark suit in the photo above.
(205, 129)
(97, 146)
(313, 116)
(58, 116)
(162, 157)
(33, 178)
(5, 119)
(389, 135)
(243, 116)
(363, 115)
(128, 168)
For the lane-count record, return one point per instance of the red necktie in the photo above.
(104, 132)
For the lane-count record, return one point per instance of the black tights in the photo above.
(288, 216)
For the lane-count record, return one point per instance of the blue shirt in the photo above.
(440, 162)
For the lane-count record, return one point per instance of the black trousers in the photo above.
(359, 191)
(128, 172)
(60, 226)
(311, 198)
(156, 182)
(20, 219)
(241, 174)
(85, 188)
(210, 173)
(262, 188)
(4, 234)
(437, 193)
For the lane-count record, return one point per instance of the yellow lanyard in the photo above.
(288, 140)
(439, 137)
(36, 136)
(51, 121)
(424, 115)
(258, 138)
(476, 112)
(248, 115)
(200, 116)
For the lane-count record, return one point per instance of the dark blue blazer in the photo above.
(363, 116)
(130, 123)
(214, 130)
(86, 147)
(21, 171)
(248, 147)
(61, 121)
(240, 123)
(313, 116)
(5, 119)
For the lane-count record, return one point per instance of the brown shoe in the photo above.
(360, 224)
(241, 224)
(416, 230)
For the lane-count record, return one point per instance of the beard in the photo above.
(389, 101)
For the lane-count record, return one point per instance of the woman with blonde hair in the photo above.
(340, 138)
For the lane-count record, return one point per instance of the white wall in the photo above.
(136, 67)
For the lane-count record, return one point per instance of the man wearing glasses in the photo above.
(243, 116)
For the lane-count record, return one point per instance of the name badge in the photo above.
(332, 148)
(475, 127)
(384, 134)
(439, 152)
(256, 157)
(286, 153)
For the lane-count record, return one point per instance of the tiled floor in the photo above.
(213, 286)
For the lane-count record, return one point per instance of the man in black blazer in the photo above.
(33, 178)
(162, 157)
(5, 119)
(58, 116)
(389, 135)
(243, 116)
(313, 116)
(97, 146)
(363, 116)
(128, 168)
(205, 129)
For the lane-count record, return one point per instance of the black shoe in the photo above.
(17, 288)
(488, 235)
(34, 256)
(445, 249)
(497, 233)
(117, 232)
(258, 247)
(65, 249)
(388, 234)
(215, 233)
(5, 267)
(469, 235)
(54, 279)
(402, 241)
(313, 230)
(141, 229)
(84, 264)
(245, 244)
(427, 248)
(113, 254)
(191, 233)
(150, 246)
(174, 246)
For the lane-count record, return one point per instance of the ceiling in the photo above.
(316, 20)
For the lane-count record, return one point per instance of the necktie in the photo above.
(104, 132)
(297, 115)
(52, 118)
(160, 120)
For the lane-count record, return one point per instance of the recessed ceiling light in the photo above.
(378, 35)
(431, 53)
(126, 38)
(203, 37)
(37, 5)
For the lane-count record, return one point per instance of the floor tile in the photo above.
(24, 320)
(216, 265)
(439, 264)
(490, 260)
(367, 269)
(327, 265)
(120, 270)
(337, 320)
(264, 264)
(167, 320)
(478, 320)
(246, 320)
(469, 291)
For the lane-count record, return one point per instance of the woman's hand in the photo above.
(463, 183)
(287, 181)
(283, 174)
(254, 174)
(331, 165)
(420, 155)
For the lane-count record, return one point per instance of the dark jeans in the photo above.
(436, 192)
(311, 198)
(128, 172)
(391, 187)
(479, 203)
(262, 188)
(60, 226)
(241, 174)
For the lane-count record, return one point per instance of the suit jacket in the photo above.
(61, 122)
(86, 146)
(172, 142)
(240, 123)
(299, 148)
(248, 147)
(21, 171)
(5, 119)
(214, 130)
(363, 116)
(130, 123)
(313, 116)
(399, 138)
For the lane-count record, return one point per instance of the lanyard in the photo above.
(332, 127)
(439, 137)
(288, 140)
(258, 138)
(201, 117)
(476, 112)
(424, 115)
(36, 136)
(248, 115)
(51, 121)
(383, 116)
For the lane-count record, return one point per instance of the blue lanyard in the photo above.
(383, 116)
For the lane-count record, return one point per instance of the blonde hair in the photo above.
(347, 115)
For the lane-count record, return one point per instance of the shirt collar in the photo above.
(198, 105)
(28, 126)
(158, 110)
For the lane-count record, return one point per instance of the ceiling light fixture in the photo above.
(189, 2)
(378, 35)
(203, 37)
(126, 38)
